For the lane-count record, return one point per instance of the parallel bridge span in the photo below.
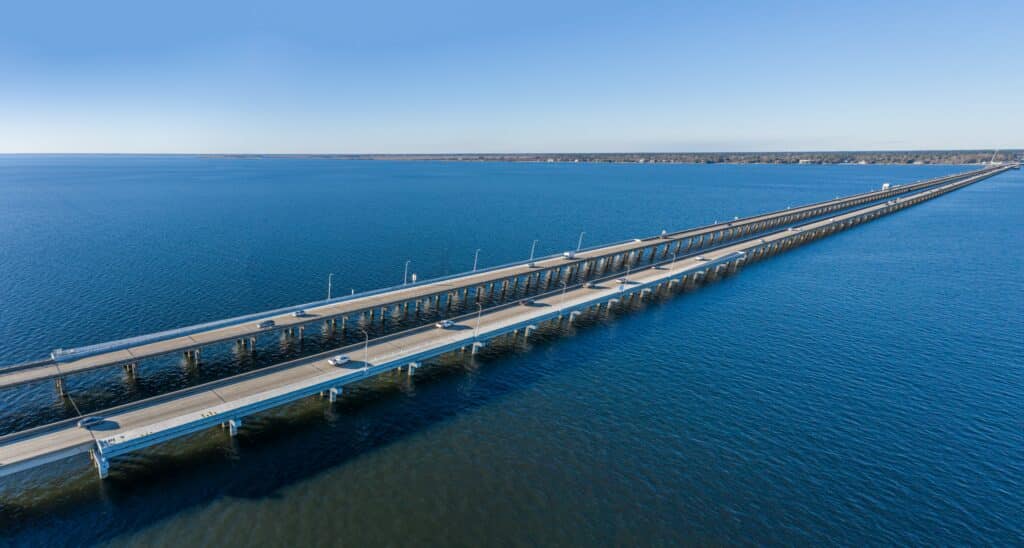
(439, 294)
(228, 401)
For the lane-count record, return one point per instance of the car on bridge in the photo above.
(702, 258)
(90, 421)
(266, 324)
(444, 324)
(527, 302)
(340, 359)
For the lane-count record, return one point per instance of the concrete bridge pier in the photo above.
(573, 314)
(129, 369)
(101, 462)
(412, 367)
(477, 345)
(232, 425)
(526, 332)
(59, 385)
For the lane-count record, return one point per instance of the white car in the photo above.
(444, 324)
(299, 313)
(340, 359)
(702, 258)
(90, 421)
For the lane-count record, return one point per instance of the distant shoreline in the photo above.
(878, 157)
(929, 157)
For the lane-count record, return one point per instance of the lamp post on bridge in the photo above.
(579, 243)
(366, 349)
(405, 276)
(532, 249)
(561, 303)
(330, 278)
(476, 257)
(479, 312)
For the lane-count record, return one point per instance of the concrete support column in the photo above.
(101, 462)
(232, 425)
(333, 393)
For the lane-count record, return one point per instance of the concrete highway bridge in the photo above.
(562, 288)
(434, 298)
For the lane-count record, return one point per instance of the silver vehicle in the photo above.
(444, 324)
(266, 324)
(340, 359)
(569, 255)
(299, 313)
(702, 258)
(90, 421)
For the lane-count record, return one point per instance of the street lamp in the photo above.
(479, 312)
(330, 278)
(673, 259)
(532, 249)
(561, 303)
(366, 350)
(475, 258)
(579, 243)
(405, 277)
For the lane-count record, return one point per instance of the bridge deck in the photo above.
(158, 344)
(154, 420)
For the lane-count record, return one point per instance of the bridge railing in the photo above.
(62, 355)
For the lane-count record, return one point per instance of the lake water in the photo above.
(867, 388)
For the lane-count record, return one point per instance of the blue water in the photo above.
(864, 389)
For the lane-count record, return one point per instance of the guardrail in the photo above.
(62, 355)
(251, 405)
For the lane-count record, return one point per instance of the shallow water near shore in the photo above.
(865, 388)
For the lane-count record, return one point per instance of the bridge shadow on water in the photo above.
(274, 450)
(280, 448)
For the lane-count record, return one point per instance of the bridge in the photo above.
(591, 280)
(440, 296)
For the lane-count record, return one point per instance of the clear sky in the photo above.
(525, 76)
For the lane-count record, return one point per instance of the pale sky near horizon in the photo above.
(417, 77)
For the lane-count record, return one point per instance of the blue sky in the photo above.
(514, 77)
